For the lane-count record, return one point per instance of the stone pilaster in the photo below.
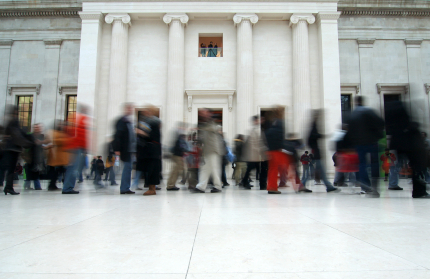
(50, 81)
(175, 71)
(367, 78)
(89, 62)
(301, 73)
(5, 49)
(417, 94)
(245, 71)
(118, 66)
(329, 74)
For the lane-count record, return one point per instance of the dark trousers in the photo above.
(223, 175)
(2, 173)
(249, 167)
(12, 159)
(363, 177)
(264, 167)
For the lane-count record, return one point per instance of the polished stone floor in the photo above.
(234, 234)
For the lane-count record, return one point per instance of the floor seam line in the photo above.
(194, 242)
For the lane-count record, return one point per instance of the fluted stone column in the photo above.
(5, 51)
(245, 71)
(301, 77)
(118, 66)
(175, 70)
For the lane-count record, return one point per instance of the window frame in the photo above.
(23, 95)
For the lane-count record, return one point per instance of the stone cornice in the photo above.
(238, 18)
(39, 13)
(168, 18)
(36, 87)
(385, 13)
(125, 18)
(414, 43)
(365, 42)
(381, 86)
(296, 18)
(53, 42)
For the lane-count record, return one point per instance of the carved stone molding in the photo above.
(91, 16)
(6, 43)
(391, 86)
(427, 87)
(125, 18)
(295, 18)
(66, 86)
(39, 14)
(53, 43)
(386, 13)
(218, 93)
(10, 87)
(168, 18)
(365, 43)
(413, 43)
(238, 18)
(328, 16)
(350, 87)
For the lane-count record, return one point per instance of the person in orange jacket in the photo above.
(388, 160)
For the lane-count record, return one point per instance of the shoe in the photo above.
(174, 188)
(274, 192)
(151, 191)
(372, 195)
(226, 184)
(423, 197)
(157, 188)
(113, 184)
(197, 191)
(80, 181)
(334, 190)
(53, 189)
(215, 190)
(395, 188)
(70, 192)
(263, 188)
(10, 191)
(129, 192)
(38, 189)
(305, 190)
(334, 184)
(182, 182)
(283, 185)
(247, 187)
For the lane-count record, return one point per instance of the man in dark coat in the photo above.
(124, 145)
(366, 128)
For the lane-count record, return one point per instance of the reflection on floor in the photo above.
(233, 234)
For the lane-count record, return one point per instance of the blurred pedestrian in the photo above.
(366, 129)
(178, 152)
(124, 145)
(304, 159)
(240, 169)
(58, 156)
(15, 139)
(212, 153)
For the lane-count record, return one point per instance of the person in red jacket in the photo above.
(388, 160)
(78, 144)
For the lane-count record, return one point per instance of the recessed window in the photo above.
(346, 105)
(25, 110)
(71, 108)
(210, 45)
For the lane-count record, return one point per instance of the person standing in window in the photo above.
(203, 49)
(212, 52)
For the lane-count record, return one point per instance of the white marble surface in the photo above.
(235, 234)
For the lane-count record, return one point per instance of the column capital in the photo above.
(413, 43)
(328, 16)
(91, 16)
(125, 18)
(238, 18)
(6, 43)
(53, 43)
(168, 18)
(296, 18)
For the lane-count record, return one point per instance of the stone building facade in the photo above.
(298, 54)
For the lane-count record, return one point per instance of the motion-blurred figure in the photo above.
(2, 152)
(313, 139)
(58, 157)
(36, 158)
(305, 160)
(407, 140)
(178, 152)
(239, 151)
(124, 145)
(366, 128)
(78, 145)
(212, 152)
(149, 153)
(15, 139)
(254, 153)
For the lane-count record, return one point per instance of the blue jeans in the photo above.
(136, 179)
(37, 186)
(306, 171)
(394, 177)
(319, 166)
(72, 171)
(363, 177)
(126, 177)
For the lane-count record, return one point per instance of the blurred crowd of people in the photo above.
(200, 155)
